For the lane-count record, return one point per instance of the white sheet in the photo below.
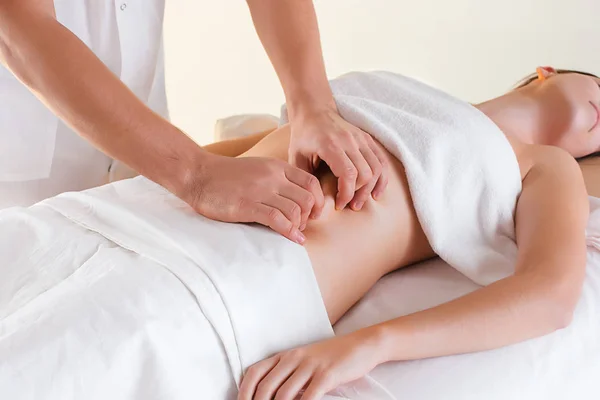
(123, 292)
(563, 365)
(83, 317)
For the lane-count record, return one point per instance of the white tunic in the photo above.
(39, 155)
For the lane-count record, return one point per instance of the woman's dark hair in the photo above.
(530, 78)
(527, 80)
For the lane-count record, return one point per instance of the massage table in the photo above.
(563, 365)
(153, 299)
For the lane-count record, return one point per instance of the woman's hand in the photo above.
(351, 154)
(317, 368)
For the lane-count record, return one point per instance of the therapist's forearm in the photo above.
(289, 32)
(62, 72)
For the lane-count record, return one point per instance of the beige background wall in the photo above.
(474, 49)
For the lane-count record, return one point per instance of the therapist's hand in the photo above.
(268, 191)
(351, 154)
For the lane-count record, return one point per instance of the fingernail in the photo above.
(299, 237)
(376, 196)
(358, 205)
(303, 227)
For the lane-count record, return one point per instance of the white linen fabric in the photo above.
(562, 365)
(463, 175)
(123, 292)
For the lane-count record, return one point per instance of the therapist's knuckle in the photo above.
(366, 173)
(311, 181)
(295, 212)
(362, 195)
(243, 205)
(376, 168)
(331, 147)
(362, 141)
(350, 172)
(274, 216)
(368, 139)
(308, 201)
(384, 163)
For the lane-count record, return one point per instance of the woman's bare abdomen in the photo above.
(351, 250)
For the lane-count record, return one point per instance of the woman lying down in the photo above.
(123, 291)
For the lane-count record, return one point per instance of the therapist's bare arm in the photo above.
(61, 71)
(289, 32)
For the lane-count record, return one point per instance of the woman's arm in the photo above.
(235, 147)
(538, 299)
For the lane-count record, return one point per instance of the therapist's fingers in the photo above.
(288, 207)
(359, 158)
(310, 183)
(273, 218)
(342, 167)
(254, 375)
(303, 200)
(363, 194)
(382, 182)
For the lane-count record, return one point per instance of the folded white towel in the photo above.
(463, 174)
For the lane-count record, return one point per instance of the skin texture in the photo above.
(317, 130)
(538, 299)
(64, 74)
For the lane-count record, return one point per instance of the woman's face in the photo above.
(571, 112)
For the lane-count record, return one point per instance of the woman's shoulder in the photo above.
(544, 158)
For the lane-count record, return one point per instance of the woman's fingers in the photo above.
(254, 375)
(295, 383)
(269, 385)
(317, 388)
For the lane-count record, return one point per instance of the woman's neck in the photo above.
(518, 115)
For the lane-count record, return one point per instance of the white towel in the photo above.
(463, 175)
